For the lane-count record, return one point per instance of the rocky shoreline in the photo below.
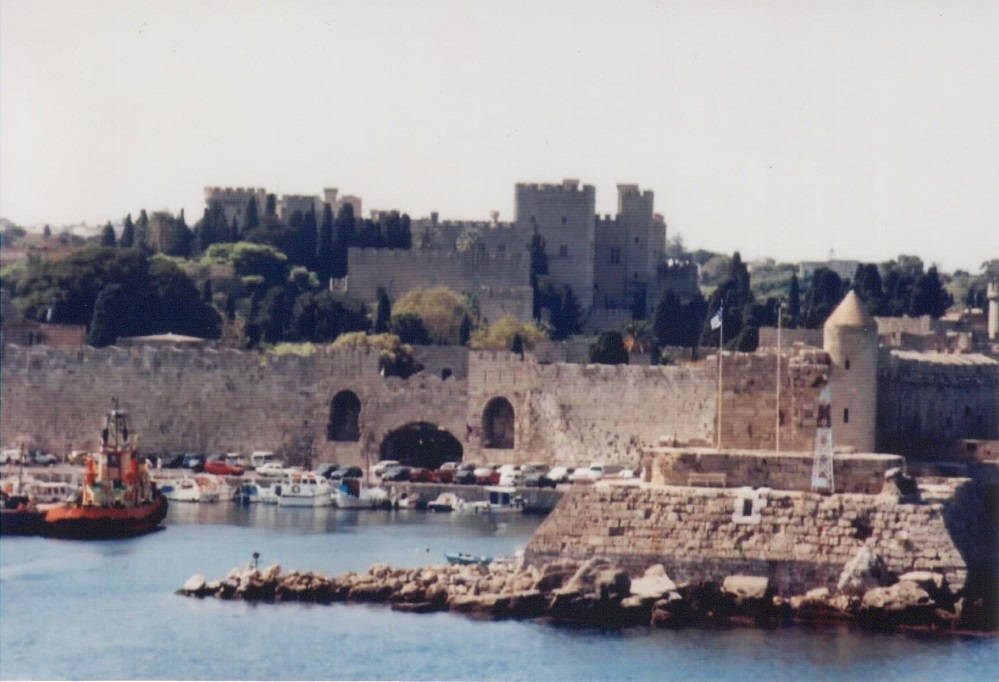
(597, 593)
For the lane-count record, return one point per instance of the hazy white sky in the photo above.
(785, 128)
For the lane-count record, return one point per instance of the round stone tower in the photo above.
(851, 339)
(992, 293)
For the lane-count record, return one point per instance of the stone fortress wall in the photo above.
(502, 282)
(799, 540)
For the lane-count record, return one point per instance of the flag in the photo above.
(716, 321)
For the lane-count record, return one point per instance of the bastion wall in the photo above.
(800, 540)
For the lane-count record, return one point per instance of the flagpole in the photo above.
(721, 336)
(780, 306)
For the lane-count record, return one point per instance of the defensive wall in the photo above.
(927, 401)
(502, 282)
(800, 540)
(731, 468)
(500, 407)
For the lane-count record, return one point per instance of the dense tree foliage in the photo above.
(500, 334)
(440, 310)
(609, 349)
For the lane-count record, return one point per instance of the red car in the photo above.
(420, 475)
(220, 468)
(444, 475)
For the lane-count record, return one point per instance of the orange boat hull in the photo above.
(99, 523)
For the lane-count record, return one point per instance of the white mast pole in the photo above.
(780, 306)
(721, 337)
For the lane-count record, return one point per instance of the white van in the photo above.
(262, 457)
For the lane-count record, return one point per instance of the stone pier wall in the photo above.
(800, 540)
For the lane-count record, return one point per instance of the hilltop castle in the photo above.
(613, 264)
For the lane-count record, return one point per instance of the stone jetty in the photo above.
(599, 593)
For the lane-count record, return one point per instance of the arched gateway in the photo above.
(345, 410)
(421, 444)
(498, 428)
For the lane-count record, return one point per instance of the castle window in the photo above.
(501, 248)
(846, 415)
(565, 220)
(636, 240)
(846, 365)
(615, 256)
(563, 251)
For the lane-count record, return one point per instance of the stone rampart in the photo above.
(401, 270)
(852, 473)
(800, 540)
(927, 401)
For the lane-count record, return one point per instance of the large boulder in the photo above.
(555, 575)
(905, 603)
(748, 596)
(865, 571)
(654, 584)
(196, 586)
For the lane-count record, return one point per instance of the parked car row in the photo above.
(32, 457)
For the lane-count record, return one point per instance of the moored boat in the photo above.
(118, 499)
(446, 502)
(19, 516)
(466, 559)
(354, 493)
(305, 490)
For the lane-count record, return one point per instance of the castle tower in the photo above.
(851, 339)
(992, 292)
(564, 215)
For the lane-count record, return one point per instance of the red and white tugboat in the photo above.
(118, 499)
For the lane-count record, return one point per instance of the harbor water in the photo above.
(108, 610)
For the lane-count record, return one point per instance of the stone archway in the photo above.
(421, 444)
(498, 427)
(345, 411)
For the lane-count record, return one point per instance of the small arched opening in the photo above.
(498, 428)
(421, 444)
(345, 410)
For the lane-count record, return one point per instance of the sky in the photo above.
(788, 129)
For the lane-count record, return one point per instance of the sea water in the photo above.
(108, 610)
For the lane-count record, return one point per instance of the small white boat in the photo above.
(502, 500)
(304, 490)
(181, 490)
(404, 500)
(354, 493)
(446, 502)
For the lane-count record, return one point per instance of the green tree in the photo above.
(667, 321)
(107, 236)
(869, 288)
(566, 314)
(324, 249)
(252, 220)
(928, 296)
(102, 330)
(343, 236)
(609, 349)
(822, 297)
(127, 239)
(410, 329)
(793, 303)
(440, 309)
(500, 334)
(465, 333)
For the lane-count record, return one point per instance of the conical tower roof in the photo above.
(851, 313)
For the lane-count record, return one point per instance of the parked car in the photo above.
(510, 475)
(443, 475)
(487, 475)
(10, 456)
(325, 470)
(42, 459)
(173, 462)
(396, 473)
(352, 472)
(538, 479)
(560, 474)
(421, 475)
(464, 474)
(194, 462)
(220, 467)
(383, 465)
(271, 469)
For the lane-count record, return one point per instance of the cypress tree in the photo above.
(794, 303)
(127, 239)
(252, 221)
(465, 331)
(107, 236)
(383, 314)
(324, 249)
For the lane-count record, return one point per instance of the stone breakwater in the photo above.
(599, 593)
